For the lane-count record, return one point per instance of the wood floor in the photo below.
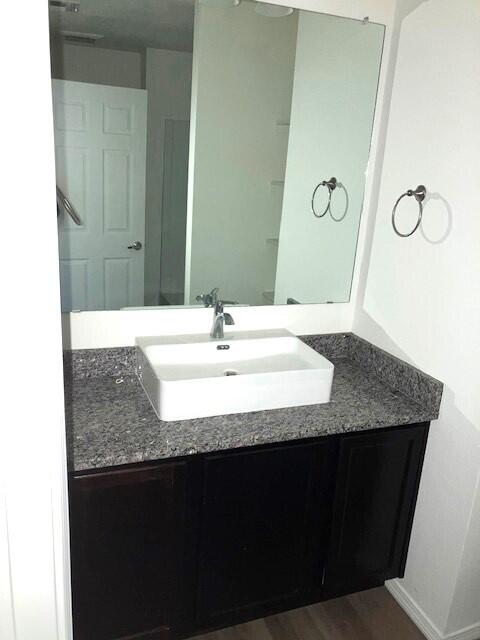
(370, 615)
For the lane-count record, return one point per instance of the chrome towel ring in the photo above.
(331, 186)
(419, 194)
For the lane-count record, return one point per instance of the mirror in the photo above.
(209, 150)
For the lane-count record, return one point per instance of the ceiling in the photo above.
(131, 24)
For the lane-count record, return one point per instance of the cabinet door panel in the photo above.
(261, 510)
(127, 536)
(377, 483)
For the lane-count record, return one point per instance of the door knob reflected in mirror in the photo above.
(137, 245)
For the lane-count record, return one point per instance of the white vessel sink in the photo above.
(193, 376)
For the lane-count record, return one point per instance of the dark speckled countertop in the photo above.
(110, 424)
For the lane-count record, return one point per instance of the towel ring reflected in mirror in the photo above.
(331, 186)
(419, 194)
(340, 187)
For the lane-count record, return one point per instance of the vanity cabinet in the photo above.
(129, 532)
(373, 506)
(264, 515)
(172, 548)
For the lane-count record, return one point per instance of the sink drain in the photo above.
(230, 372)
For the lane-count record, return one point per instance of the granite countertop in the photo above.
(110, 423)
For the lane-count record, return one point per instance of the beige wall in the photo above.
(168, 82)
(82, 63)
(422, 298)
(242, 87)
(34, 539)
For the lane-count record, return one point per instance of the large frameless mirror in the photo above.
(209, 150)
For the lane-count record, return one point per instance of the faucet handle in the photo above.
(218, 307)
(213, 295)
(228, 319)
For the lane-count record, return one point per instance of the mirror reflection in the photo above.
(209, 151)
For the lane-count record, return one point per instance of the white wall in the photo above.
(337, 64)
(168, 82)
(243, 88)
(422, 299)
(91, 329)
(34, 566)
(99, 66)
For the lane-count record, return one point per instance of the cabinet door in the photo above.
(262, 525)
(126, 543)
(376, 490)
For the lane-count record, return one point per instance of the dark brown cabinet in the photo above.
(258, 510)
(376, 489)
(128, 532)
(175, 547)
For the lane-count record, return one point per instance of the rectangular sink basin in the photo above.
(194, 376)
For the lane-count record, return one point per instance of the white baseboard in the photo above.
(411, 608)
(467, 633)
(423, 622)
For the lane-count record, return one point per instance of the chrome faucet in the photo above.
(208, 299)
(219, 318)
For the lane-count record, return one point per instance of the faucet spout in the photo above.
(220, 318)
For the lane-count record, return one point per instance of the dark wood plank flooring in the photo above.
(369, 615)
